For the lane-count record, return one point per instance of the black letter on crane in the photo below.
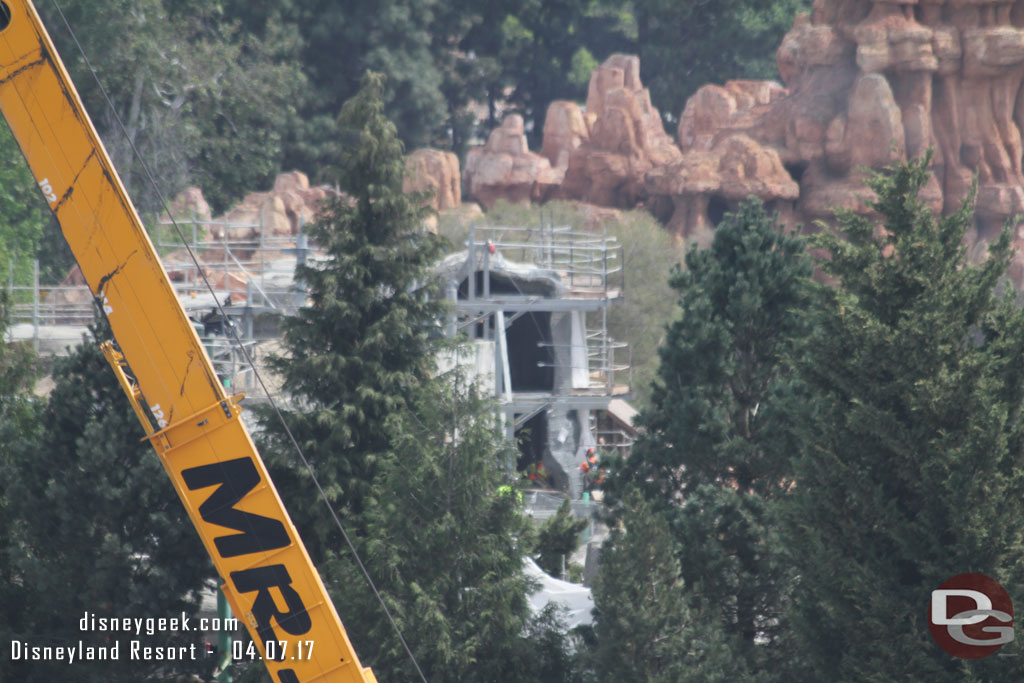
(295, 621)
(234, 479)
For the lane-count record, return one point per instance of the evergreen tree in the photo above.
(645, 630)
(19, 369)
(557, 538)
(202, 102)
(911, 459)
(412, 462)
(685, 45)
(715, 458)
(97, 527)
(445, 539)
(364, 344)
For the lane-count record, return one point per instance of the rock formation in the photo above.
(868, 83)
(190, 205)
(565, 129)
(600, 157)
(626, 139)
(505, 168)
(704, 183)
(279, 212)
(437, 172)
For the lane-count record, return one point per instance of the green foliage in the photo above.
(242, 111)
(911, 467)
(539, 47)
(18, 372)
(24, 216)
(355, 355)
(557, 538)
(446, 547)
(645, 630)
(201, 102)
(95, 526)
(581, 66)
(715, 456)
(442, 61)
(683, 46)
(339, 42)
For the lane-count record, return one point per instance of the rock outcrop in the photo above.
(280, 212)
(704, 183)
(600, 156)
(505, 168)
(867, 83)
(626, 139)
(565, 129)
(437, 172)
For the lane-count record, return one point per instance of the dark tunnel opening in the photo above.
(530, 356)
(532, 439)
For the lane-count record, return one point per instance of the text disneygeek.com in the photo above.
(135, 649)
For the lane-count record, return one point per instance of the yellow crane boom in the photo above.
(195, 428)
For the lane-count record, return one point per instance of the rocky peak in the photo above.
(506, 168)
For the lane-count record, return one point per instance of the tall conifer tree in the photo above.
(96, 526)
(646, 630)
(445, 539)
(715, 458)
(412, 461)
(364, 344)
(911, 468)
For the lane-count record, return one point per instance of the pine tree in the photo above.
(445, 539)
(911, 458)
(715, 458)
(99, 528)
(413, 463)
(645, 630)
(364, 344)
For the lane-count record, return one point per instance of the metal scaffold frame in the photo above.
(558, 278)
(589, 267)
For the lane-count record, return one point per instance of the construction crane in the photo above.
(193, 425)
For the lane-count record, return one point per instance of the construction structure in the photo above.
(252, 278)
(534, 303)
(535, 311)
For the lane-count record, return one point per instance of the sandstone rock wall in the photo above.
(437, 172)
(280, 211)
(866, 83)
(869, 83)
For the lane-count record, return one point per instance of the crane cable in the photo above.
(234, 333)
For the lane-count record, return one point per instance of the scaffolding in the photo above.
(541, 295)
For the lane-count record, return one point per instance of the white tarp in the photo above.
(575, 598)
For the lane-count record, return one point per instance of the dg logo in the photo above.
(971, 616)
